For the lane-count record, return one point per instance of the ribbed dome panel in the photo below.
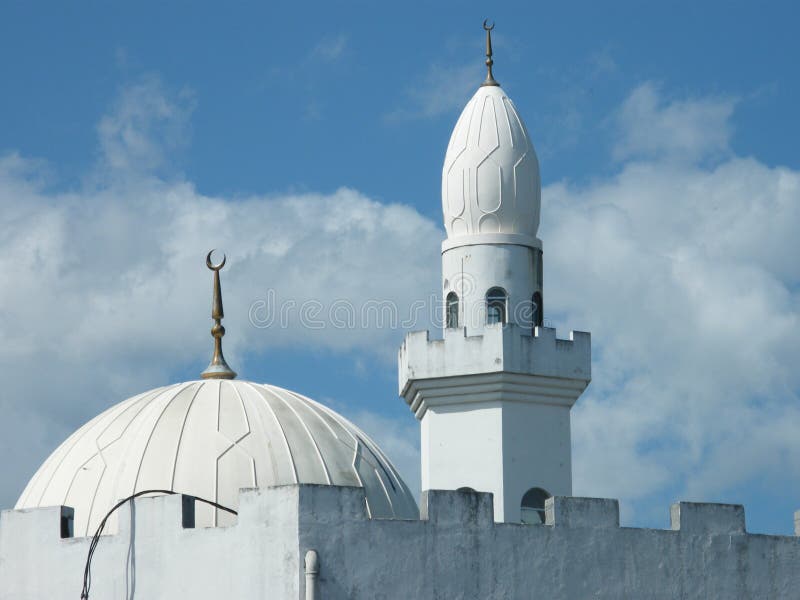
(490, 178)
(209, 439)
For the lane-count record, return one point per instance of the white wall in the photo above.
(153, 556)
(463, 447)
(456, 551)
(495, 409)
(471, 270)
(536, 453)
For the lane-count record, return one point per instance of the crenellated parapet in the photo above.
(455, 550)
(504, 358)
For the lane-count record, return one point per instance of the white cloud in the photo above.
(684, 130)
(106, 292)
(146, 125)
(330, 48)
(686, 275)
(441, 90)
(688, 279)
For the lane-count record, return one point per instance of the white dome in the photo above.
(491, 191)
(208, 439)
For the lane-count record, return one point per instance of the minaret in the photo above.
(494, 396)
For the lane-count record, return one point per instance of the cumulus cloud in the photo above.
(106, 292)
(684, 271)
(687, 277)
(650, 127)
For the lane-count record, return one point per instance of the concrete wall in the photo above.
(455, 551)
(495, 409)
(153, 556)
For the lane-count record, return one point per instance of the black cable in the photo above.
(87, 571)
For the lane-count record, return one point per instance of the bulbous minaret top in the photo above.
(491, 190)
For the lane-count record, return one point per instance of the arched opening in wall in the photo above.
(496, 300)
(538, 310)
(465, 489)
(532, 506)
(451, 310)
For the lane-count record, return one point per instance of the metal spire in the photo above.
(217, 368)
(489, 62)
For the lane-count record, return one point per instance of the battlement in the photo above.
(501, 347)
(454, 550)
(504, 356)
(290, 507)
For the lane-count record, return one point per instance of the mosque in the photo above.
(225, 488)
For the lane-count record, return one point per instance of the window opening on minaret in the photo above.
(452, 310)
(538, 310)
(532, 506)
(539, 269)
(496, 305)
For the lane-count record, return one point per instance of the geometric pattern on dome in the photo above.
(490, 177)
(209, 439)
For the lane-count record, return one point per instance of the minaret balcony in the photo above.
(505, 363)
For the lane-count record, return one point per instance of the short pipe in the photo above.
(312, 575)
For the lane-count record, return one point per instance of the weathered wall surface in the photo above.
(455, 550)
(152, 556)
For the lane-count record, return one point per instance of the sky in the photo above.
(306, 142)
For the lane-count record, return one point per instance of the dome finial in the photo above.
(489, 62)
(217, 368)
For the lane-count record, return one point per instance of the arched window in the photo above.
(538, 310)
(451, 310)
(532, 506)
(496, 305)
(465, 489)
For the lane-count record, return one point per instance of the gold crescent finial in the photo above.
(489, 62)
(217, 368)
(213, 267)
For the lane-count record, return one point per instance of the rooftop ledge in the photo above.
(337, 506)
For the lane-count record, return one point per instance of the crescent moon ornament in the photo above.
(212, 266)
(489, 62)
(217, 368)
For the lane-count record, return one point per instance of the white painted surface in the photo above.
(471, 270)
(490, 177)
(495, 409)
(498, 348)
(455, 551)
(209, 439)
(463, 448)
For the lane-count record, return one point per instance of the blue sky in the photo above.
(307, 141)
